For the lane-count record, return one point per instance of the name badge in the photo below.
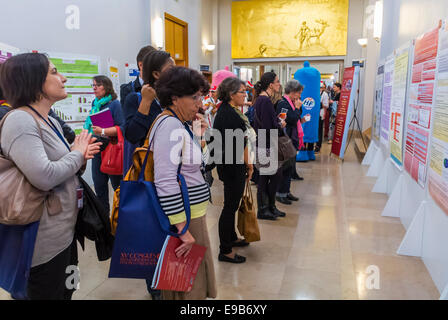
(80, 197)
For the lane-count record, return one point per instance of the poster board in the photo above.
(438, 159)
(79, 71)
(387, 100)
(378, 99)
(420, 106)
(7, 51)
(397, 106)
(113, 74)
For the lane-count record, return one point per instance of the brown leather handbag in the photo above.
(247, 220)
(20, 202)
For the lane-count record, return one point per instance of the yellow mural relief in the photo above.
(289, 28)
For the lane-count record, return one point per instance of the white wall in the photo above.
(116, 29)
(198, 15)
(404, 20)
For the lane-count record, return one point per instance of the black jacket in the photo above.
(126, 89)
(227, 118)
(292, 117)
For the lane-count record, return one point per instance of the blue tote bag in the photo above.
(16, 253)
(142, 227)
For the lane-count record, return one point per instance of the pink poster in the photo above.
(421, 100)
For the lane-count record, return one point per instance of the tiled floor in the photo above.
(321, 250)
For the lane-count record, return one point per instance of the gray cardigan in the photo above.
(48, 165)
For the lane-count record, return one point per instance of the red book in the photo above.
(177, 274)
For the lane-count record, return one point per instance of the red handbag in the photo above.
(112, 156)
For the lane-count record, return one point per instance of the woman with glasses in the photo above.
(177, 145)
(105, 97)
(236, 170)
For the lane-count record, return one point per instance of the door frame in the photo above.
(185, 25)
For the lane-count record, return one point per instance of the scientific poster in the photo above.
(387, 99)
(113, 74)
(378, 99)
(397, 106)
(79, 71)
(438, 165)
(7, 51)
(420, 106)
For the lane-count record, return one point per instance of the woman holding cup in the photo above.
(287, 110)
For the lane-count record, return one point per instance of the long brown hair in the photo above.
(107, 84)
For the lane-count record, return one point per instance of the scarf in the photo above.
(97, 104)
(250, 132)
(3, 103)
(299, 124)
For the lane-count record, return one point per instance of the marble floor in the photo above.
(325, 247)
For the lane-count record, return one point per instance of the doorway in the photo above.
(176, 39)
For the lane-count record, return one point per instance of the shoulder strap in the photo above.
(27, 111)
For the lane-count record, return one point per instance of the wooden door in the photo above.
(176, 39)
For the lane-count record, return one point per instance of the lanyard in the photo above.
(53, 127)
(187, 127)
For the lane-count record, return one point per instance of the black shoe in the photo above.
(266, 215)
(291, 197)
(236, 259)
(283, 200)
(277, 212)
(241, 243)
(316, 150)
(296, 177)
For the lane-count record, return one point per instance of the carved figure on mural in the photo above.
(305, 34)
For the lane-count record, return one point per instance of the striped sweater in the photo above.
(171, 140)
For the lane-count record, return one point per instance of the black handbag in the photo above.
(93, 223)
(104, 141)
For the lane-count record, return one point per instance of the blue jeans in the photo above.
(101, 182)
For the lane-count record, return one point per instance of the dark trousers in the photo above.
(234, 184)
(284, 186)
(101, 182)
(321, 129)
(48, 281)
(327, 123)
(267, 186)
(309, 146)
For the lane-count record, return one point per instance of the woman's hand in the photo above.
(283, 123)
(148, 93)
(250, 171)
(82, 142)
(187, 241)
(298, 103)
(92, 149)
(97, 130)
(199, 125)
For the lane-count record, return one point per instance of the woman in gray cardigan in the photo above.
(31, 83)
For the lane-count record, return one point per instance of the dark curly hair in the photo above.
(179, 82)
(228, 87)
(262, 85)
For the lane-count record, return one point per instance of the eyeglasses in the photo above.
(196, 98)
(243, 92)
(96, 85)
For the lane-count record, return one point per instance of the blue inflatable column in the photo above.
(310, 78)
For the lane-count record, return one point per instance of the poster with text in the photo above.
(345, 110)
(397, 106)
(113, 74)
(79, 71)
(438, 163)
(387, 99)
(7, 51)
(379, 81)
(420, 106)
